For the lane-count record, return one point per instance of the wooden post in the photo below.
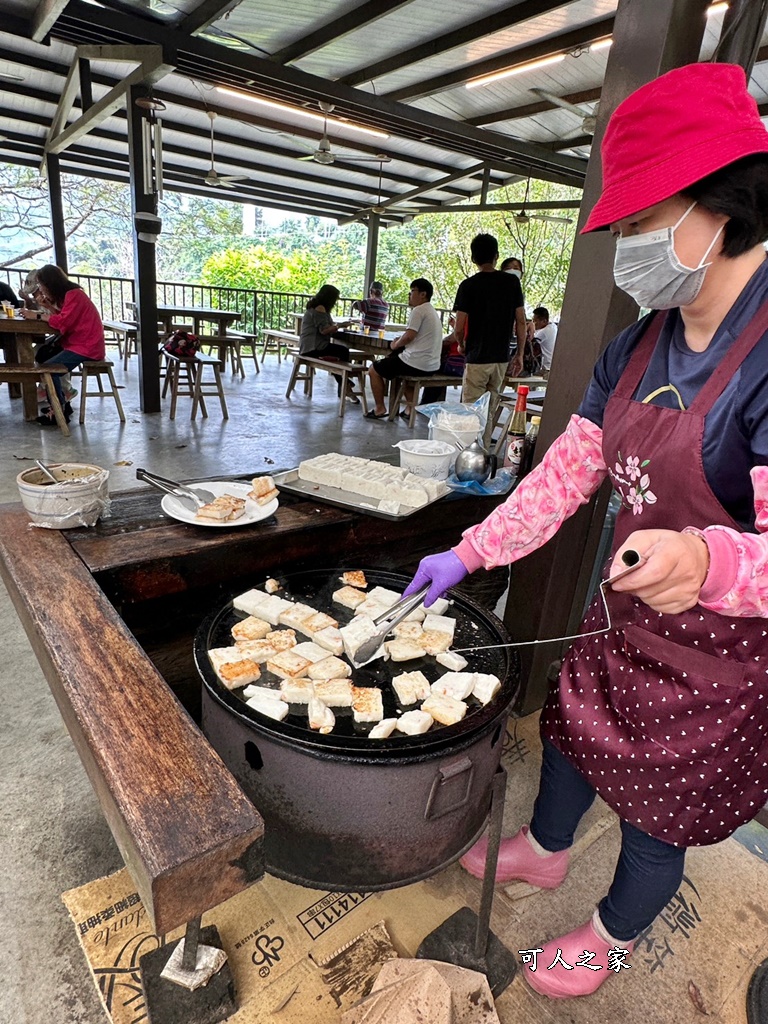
(371, 251)
(53, 173)
(548, 588)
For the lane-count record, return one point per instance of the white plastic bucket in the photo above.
(77, 500)
(426, 458)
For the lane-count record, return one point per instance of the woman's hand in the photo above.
(673, 574)
(33, 314)
(442, 571)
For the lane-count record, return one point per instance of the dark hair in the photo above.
(510, 260)
(55, 281)
(541, 312)
(377, 287)
(421, 284)
(739, 191)
(484, 249)
(328, 296)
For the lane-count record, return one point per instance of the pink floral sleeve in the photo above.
(570, 472)
(737, 581)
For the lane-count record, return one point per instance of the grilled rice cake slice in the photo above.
(281, 639)
(486, 686)
(446, 710)
(329, 668)
(451, 660)
(286, 663)
(331, 639)
(415, 723)
(383, 729)
(251, 628)
(336, 693)
(265, 692)
(367, 704)
(354, 578)
(311, 651)
(441, 623)
(249, 601)
(235, 674)
(408, 630)
(411, 687)
(433, 641)
(272, 586)
(404, 650)
(349, 597)
(297, 691)
(276, 709)
(262, 490)
(272, 607)
(458, 685)
(296, 615)
(222, 509)
(320, 621)
(354, 635)
(320, 716)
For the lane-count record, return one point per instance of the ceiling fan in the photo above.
(588, 117)
(525, 218)
(213, 178)
(323, 154)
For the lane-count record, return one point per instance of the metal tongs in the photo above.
(387, 621)
(191, 497)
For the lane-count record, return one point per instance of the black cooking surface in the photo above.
(474, 627)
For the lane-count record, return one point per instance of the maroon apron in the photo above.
(667, 715)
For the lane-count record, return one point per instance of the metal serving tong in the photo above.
(387, 621)
(191, 497)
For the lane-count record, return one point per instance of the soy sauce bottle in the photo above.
(529, 446)
(516, 433)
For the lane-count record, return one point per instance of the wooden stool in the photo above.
(192, 385)
(93, 369)
(15, 373)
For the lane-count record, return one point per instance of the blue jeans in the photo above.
(65, 358)
(649, 871)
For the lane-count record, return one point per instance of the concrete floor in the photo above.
(52, 834)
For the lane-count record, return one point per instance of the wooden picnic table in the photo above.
(18, 338)
(120, 646)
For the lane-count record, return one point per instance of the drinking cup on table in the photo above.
(366, 330)
(381, 334)
(10, 310)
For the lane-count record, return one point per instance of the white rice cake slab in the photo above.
(276, 709)
(446, 710)
(408, 630)
(336, 693)
(433, 641)
(296, 615)
(349, 597)
(440, 606)
(404, 650)
(272, 607)
(414, 723)
(331, 639)
(329, 668)
(451, 660)
(440, 623)
(257, 650)
(265, 692)
(411, 687)
(320, 716)
(235, 674)
(354, 635)
(486, 687)
(250, 601)
(311, 651)
(251, 628)
(367, 704)
(224, 656)
(286, 663)
(297, 691)
(458, 685)
(383, 730)
(354, 578)
(319, 621)
(281, 639)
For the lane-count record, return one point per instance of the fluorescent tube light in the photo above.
(349, 125)
(601, 44)
(716, 9)
(518, 70)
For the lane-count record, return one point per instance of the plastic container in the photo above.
(79, 499)
(427, 458)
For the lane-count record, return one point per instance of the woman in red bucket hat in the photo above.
(661, 709)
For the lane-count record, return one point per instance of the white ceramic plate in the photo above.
(254, 513)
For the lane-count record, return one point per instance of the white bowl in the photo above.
(427, 458)
(77, 500)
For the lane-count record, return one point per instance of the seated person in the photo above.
(451, 364)
(81, 334)
(416, 353)
(7, 294)
(317, 328)
(545, 333)
(374, 308)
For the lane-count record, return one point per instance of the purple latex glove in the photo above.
(443, 571)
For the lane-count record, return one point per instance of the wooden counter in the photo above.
(111, 612)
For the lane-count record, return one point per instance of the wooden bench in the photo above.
(194, 386)
(275, 341)
(349, 373)
(16, 373)
(92, 369)
(225, 347)
(127, 334)
(436, 380)
(248, 339)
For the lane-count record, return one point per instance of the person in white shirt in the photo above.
(416, 353)
(546, 334)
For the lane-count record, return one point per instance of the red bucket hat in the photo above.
(673, 132)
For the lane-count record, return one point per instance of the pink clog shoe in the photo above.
(518, 860)
(590, 961)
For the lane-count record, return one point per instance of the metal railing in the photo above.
(258, 308)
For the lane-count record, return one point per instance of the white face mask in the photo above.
(647, 268)
(517, 273)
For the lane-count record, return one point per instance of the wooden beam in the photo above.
(565, 204)
(44, 18)
(365, 14)
(204, 15)
(514, 14)
(427, 187)
(582, 36)
(530, 109)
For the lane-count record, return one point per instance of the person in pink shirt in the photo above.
(660, 710)
(74, 316)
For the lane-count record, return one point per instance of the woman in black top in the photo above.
(317, 328)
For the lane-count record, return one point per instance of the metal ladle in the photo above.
(46, 472)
